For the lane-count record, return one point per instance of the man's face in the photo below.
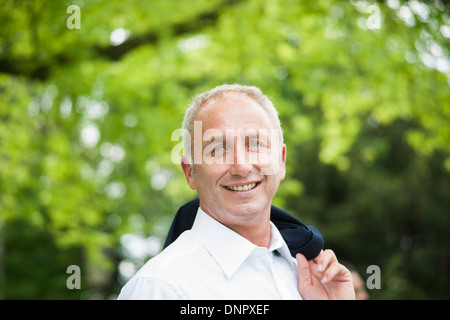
(241, 167)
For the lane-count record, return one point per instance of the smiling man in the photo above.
(233, 251)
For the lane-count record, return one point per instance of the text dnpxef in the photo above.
(234, 309)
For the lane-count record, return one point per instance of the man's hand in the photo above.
(324, 278)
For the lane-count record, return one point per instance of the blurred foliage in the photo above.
(86, 117)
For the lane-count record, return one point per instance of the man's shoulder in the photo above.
(172, 274)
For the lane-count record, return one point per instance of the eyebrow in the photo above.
(249, 134)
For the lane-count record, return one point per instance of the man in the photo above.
(233, 251)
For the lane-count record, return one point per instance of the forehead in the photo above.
(233, 111)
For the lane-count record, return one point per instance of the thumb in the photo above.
(304, 273)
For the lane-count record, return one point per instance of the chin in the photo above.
(246, 211)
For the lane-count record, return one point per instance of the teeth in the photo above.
(243, 188)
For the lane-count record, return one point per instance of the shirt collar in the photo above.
(227, 247)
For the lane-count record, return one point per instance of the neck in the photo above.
(259, 236)
(255, 229)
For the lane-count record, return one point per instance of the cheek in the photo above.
(270, 164)
(207, 176)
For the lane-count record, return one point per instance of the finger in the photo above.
(336, 272)
(318, 256)
(326, 258)
(304, 272)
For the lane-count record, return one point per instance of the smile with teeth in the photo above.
(242, 188)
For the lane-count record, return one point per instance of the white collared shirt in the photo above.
(211, 261)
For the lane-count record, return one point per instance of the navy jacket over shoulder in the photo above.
(300, 238)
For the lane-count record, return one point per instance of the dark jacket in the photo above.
(300, 238)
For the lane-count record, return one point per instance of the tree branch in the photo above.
(41, 70)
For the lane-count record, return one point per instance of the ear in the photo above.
(187, 170)
(283, 162)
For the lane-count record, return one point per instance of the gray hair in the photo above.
(249, 91)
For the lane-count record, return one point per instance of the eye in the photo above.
(254, 144)
(218, 150)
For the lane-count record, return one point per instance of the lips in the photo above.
(244, 187)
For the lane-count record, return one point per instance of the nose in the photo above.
(241, 165)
